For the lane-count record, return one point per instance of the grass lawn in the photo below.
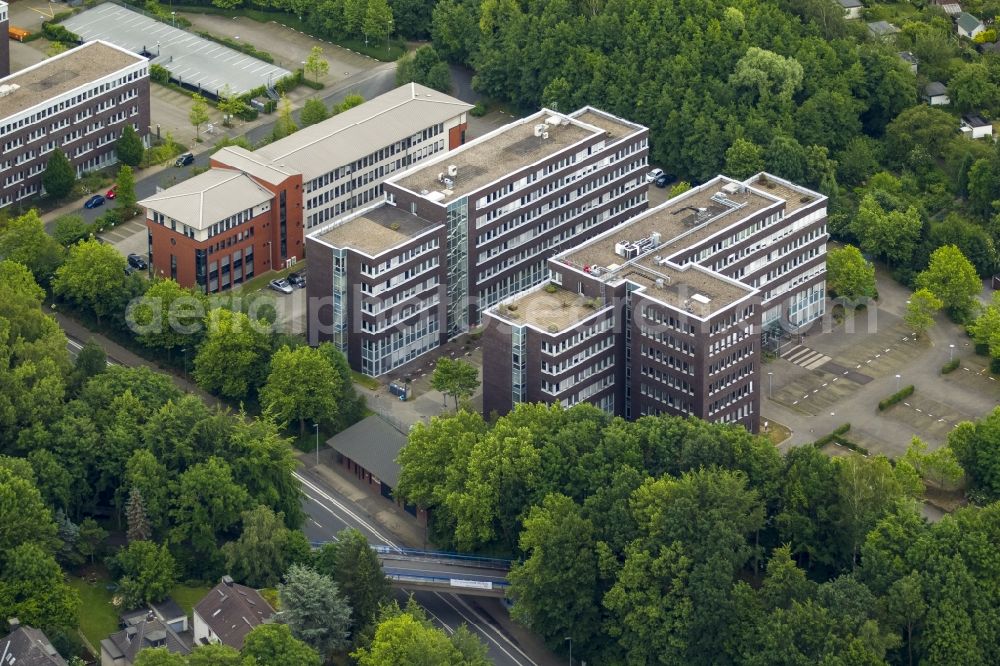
(98, 618)
(188, 596)
(776, 432)
(365, 380)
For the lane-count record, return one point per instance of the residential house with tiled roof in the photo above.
(228, 613)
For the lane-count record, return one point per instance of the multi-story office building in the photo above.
(77, 101)
(202, 230)
(664, 313)
(468, 229)
(4, 40)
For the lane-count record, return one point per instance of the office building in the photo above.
(78, 101)
(4, 40)
(249, 212)
(464, 230)
(664, 313)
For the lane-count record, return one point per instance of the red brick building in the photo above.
(247, 215)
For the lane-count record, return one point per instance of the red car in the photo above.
(112, 193)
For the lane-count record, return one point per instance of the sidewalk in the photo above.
(402, 528)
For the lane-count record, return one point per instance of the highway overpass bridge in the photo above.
(459, 574)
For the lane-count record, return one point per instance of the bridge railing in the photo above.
(399, 552)
(450, 582)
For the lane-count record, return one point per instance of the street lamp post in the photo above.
(951, 353)
(388, 34)
(570, 639)
(897, 383)
(316, 425)
(173, 19)
(770, 385)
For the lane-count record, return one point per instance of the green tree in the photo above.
(93, 277)
(215, 654)
(939, 467)
(147, 476)
(138, 523)
(922, 127)
(159, 656)
(232, 358)
(678, 189)
(976, 446)
(303, 386)
(314, 609)
(90, 361)
(125, 199)
(769, 76)
(59, 175)
(284, 125)
(313, 111)
(424, 66)
(69, 229)
(168, 316)
(355, 568)
(743, 159)
(23, 239)
(231, 106)
(405, 639)
(974, 88)
(208, 503)
(555, 586)
(92, 537)
(198, 114)
(920, 309)
(350, 101)
(274, 645)
(455, 378)
(33, 589)
(378, 20)
(859, 159)
(892, 235)
(316, 64)
(24, 518)
(265, 548)
(848, 274)
(146, 573)
(129, 148)
(951, 278)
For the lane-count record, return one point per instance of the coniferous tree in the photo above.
(138, 522)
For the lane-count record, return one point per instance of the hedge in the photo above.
(237, 45)
(898, 396)
(837, 437)
(950, 366)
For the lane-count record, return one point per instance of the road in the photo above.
(328, 512)
(368, 84)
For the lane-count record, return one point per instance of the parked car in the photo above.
(281, 285)
(135, 261)
(94, 201)
(184, 160)
(661, 180)
(653, 175)
(297, 280)
(112, 193)
(129, 270)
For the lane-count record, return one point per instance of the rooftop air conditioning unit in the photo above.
(553, 120)
(545, 135)
(452, 170)
(448, 182)
(539, 129)
(441, 177)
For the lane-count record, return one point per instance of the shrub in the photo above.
(950, 366)
(57, 33)
(237, 45)
(159, 74)
(68, 229)
(551, 289)
(478, 110)
(896, 397)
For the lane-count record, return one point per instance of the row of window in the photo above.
(73, 101)
(731, 397)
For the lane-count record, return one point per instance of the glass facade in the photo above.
(458, 267)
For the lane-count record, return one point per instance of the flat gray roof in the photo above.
(490, 157)
(374, 230)
(374, 444)
(209, 197)
(194, 60)
(353, 134)
(61, 74)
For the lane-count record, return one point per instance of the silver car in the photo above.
(281, 284)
